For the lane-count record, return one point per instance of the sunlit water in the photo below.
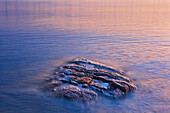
(37, 35)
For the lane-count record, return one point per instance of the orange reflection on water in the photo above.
(151, 17)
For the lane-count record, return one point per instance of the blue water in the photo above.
(36, 36)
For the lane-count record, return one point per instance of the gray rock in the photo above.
(75, 93)
(82, 79)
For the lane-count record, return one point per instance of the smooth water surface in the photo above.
(37, 35)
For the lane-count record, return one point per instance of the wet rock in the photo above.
(85, 85)
(63, 79)
(114, 85)
(86, 80)
(74, 83)
(61, 75)
(55, 83)
(82, 79)
(98, 84)
(117, 93)
(75, 93)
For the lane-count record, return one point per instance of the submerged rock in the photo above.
(82, 79)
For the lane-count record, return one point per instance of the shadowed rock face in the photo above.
(82, 79)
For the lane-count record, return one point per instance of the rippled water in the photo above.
(37, 35)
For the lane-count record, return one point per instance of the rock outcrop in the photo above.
(82, 79)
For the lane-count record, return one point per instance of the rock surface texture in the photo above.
(83, 80)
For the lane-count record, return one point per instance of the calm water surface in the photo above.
(37, 35)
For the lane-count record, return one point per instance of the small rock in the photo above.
(63, 79)
(86, 80)
(75, 93)
(117, 93)
(61, 75)
(55, 83)
(74, 83)
(85, 85)
(97, 84)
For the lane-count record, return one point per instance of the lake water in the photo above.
(38, 35)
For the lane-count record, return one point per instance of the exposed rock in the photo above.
(55, 83)
(86, 80)
(73, 82)
(117, 93)
(75, 93)
(85, 85)
(98, 84)
(82, 79)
